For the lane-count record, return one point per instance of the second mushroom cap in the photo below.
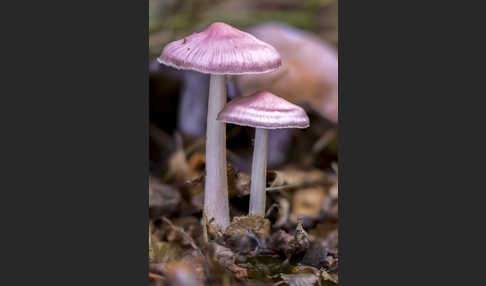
(264, 110)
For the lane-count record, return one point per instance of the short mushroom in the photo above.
(219, 50)
(310, 76)
(263, 111)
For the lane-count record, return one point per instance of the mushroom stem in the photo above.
(259, 173)
(216, 205)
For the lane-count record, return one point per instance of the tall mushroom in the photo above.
(219, 50)
(263, 111)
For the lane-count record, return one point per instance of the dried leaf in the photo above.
(307, 275)
(238, 183)
(164, 252)
(197, 162)
(242, 185)
(179, 169)
(225, 258)
(163, 199)
(275, 179)
(189, 224)
(282, 242)
(246, 234)
(307, 202)
(294, 176)
(299, 279)
(316, 256)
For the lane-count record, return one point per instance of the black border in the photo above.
(75, 151)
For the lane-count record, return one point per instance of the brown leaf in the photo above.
(299, 279)
(163, 252)
(275, 179)
(295, 176)
(282, 242)
(189, 224)
(179, 168)
(197, 162)
(163, 199)
(246, 234)
(307, 202)
(225, 258)
(238, 183)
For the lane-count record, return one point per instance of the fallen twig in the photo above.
(299, 186)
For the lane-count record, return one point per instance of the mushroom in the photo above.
(219, 50)
(309, 75)
(263, 111)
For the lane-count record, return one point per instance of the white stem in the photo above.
(216, 205)
(259, 173)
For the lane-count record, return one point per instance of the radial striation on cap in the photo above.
(264, 110)
(221, 49)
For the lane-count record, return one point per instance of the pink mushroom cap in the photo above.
(221, 49)
(264, 110)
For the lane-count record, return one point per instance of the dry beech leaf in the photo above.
(225, 258)
(284, 243)
(242, 184)
(179, 168)
(303, 275)
(189, 224)
(293, 176)
(239, 183)
(299, 279)
(197, 162)
(246, 234)
(275, 179)
(317, 255)
(307, 202)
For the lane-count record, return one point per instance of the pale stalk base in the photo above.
(259, 173)
(216, 203)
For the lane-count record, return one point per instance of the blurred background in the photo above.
(171, 19)
(302, 165)
(305, 32)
